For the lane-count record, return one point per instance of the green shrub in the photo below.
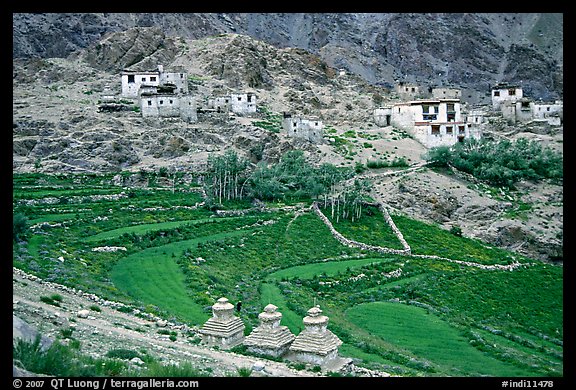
(49, 300)
(95, 308)
(122, 353)
(244, 371)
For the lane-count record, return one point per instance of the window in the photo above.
(435, 129)
(413, 89)
(170, 101)
(436, 109)
(149, 102)
(547, 108)
(315, 123)
(511, 92)
(461, 130)
(450, 107)
(130, 78)
(496, 93)
(294, 124)
(425, 108)
(143, 79)
(181, 75)
(239, 98)
(152, 78)
(249, 98)
(449, 130)
(161, 101)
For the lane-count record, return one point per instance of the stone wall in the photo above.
(356, 244)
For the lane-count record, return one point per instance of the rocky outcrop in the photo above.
(141, 48)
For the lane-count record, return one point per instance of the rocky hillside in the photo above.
(471, 50)
(57, 127)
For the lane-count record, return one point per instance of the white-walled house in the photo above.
(243, 103)
(310, 129)
(132, 81)
(407, 91)
(239, 103)
(505, 93)
(168, 106)
(383, 116)
(446, 93)
(525, 110)
(553, 113)
(433, 122)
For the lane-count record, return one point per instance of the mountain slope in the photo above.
(471, 50)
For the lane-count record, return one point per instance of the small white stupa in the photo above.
(223, 329)
(269, 338)
(315, 344)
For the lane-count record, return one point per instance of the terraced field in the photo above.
(175, 258)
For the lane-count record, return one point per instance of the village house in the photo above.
(525, 110)
(407, 91)
(446, 93)
(238, 103)
(383, 115)
(505, 93)
(476, 116)
(165, 105)
(310, 129)
(553, 113)
(433, 122)
(133, 81)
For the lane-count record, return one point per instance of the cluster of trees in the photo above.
(230, 177)
(500, 163)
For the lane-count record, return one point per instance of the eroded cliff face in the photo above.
(470, 50)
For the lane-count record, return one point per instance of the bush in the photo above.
(500, 163)
(244, 372)
(52, 361)
(49, 300)
(19, 225)
(456, 230)
(95, 308)
(122, 353)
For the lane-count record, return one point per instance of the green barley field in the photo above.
(406, 315)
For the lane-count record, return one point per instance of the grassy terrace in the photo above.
(180, 258)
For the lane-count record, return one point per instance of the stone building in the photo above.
(407, 91)
(269, 338)
(446, 93)
(505, 93)
(238, 103)
(382, 116)
(163, 105)
(310, 129)
(133, 81)
(315, 344)
(223, 329)
(476, 116)
(552, 112)
(433, 122)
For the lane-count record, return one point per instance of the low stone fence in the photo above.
(356, 244)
